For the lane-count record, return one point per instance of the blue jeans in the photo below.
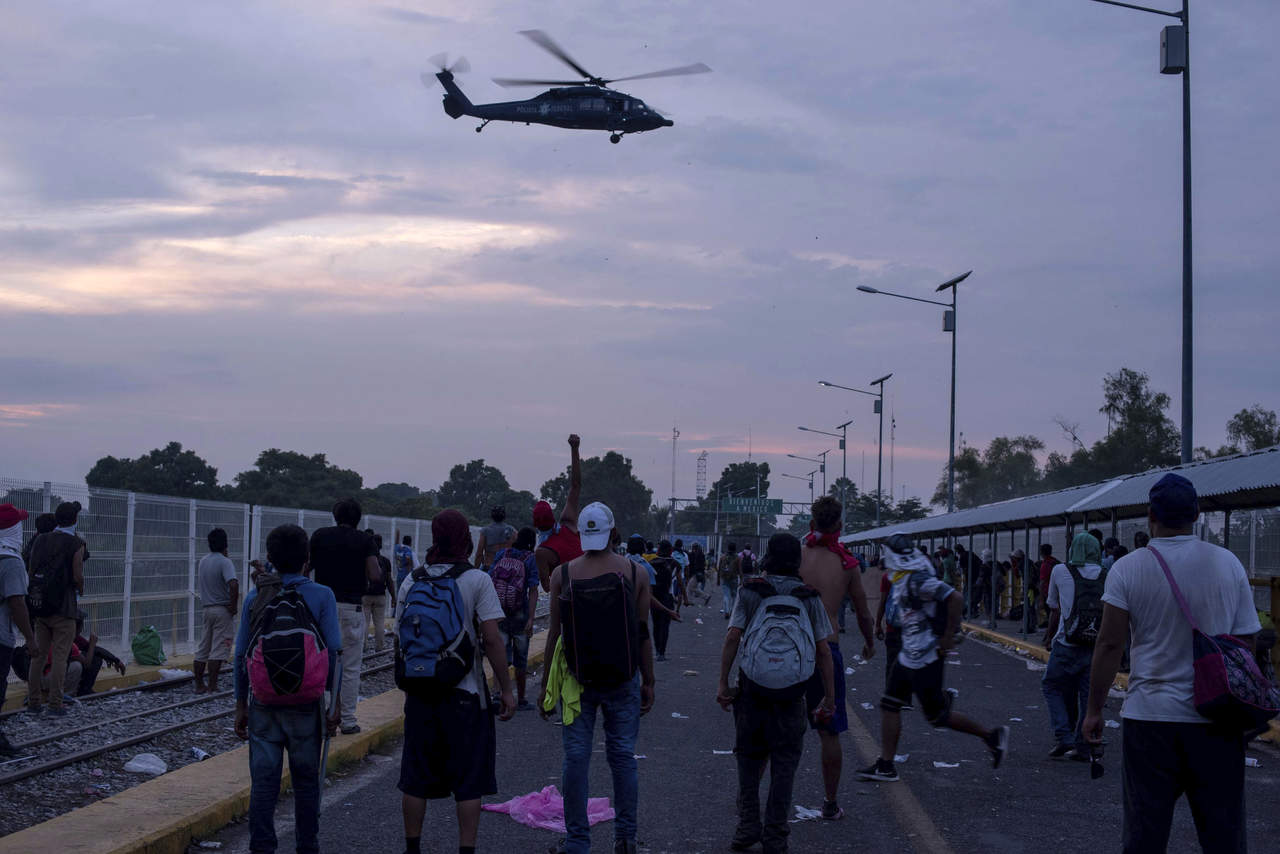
(272, 730)
(730, 591)
(621, 708)
(1066, 691)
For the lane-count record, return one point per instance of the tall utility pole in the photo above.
(671, 522)
(1175, 58)
(702, 476)
(948, 325)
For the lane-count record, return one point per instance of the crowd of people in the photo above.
(296, 654)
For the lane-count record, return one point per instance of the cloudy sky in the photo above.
(243, 224)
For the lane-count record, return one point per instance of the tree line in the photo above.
(1140, 436)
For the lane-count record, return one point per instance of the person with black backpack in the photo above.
(288, 649)
(446, 625)
(1074, 600)
(781, 635)
(55, 579)
(599, 643)
(666, 570)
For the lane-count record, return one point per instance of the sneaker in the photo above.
(6, 749)
(35, 710)
(524, 706)
(743, 843)
(1060, 751)
(998, 744)
(351, 729)
(831, 811)
(58, 711)
(881, 770)
(660, 657)
(1079, 754)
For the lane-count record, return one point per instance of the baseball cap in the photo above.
(544, 518)
(10, 515)
(1174, 501)
(595, 525)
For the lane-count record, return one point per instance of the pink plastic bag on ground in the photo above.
(545, 809)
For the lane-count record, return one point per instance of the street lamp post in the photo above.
(843, 436)
(808, 477)
(879, 410)
(1175, 49)
(822, 465)
(948, 325)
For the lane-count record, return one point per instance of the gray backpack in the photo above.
(779, 652)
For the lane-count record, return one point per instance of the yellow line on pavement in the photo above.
(911, 817)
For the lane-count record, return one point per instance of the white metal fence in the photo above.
(144, 550)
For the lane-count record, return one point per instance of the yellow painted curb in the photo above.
(1034, 650)
(134, 673)
(164, 815)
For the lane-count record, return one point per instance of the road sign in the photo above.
(752, 505)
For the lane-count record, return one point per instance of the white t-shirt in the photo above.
(479, 603)
(1216, 588)
(13, 582)
(1062, 594)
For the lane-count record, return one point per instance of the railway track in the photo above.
(63, 759)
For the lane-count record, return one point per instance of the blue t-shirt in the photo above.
(324, 607)
(644, 564)
(405, 560)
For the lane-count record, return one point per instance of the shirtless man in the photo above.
(562, 543)
(830, 569)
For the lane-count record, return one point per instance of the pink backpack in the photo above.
(509, 575)
(288, 663)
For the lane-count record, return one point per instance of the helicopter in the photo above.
(587, 104)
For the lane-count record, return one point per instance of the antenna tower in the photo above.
(702, 475)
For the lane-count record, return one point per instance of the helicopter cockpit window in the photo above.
(615, 105)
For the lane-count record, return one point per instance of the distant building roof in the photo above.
(1235, 482)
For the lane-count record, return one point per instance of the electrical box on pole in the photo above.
(875, 410)
(1173, 49)
(948, 321)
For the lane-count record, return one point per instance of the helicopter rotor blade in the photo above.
(508, 82)
(428, 80)
(548, 44)
(441, 61)
(696, 68)
(460, 65)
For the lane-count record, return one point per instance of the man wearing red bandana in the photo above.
(828, 567)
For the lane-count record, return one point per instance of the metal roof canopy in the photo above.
(1239, 482)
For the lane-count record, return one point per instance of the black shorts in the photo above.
(925, 683)
(449, 748)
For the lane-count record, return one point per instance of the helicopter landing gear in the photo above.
(482, 124)
(615, 138)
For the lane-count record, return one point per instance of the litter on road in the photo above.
(849, 671)
(1019, 720)
(1113, 725)
(937, 764)
(146, 763)
(679, 716)
(545, 809)
(1250, 762)
(868, 706)
(901, 757)
(723, 752)
(806, 814)
(1035, 665)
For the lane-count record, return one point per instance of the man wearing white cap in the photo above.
(13, 602)
(601, 605)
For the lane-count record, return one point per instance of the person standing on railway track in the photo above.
(449, 610)
(1169, 749)
(277, 725)
(828, 567)
(55, 579)
(345, 559)
(375, 596)
(219, 597)
(561, 543)
(13, 601)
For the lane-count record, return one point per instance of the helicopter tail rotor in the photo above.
(460, 65)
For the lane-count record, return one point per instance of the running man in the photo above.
(562, 543)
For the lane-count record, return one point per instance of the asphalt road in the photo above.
(687, 792)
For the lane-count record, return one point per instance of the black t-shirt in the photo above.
(337, 561)
(379, 587)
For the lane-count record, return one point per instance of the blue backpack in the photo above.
(435, 653)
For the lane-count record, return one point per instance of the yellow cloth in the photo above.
(562, 687)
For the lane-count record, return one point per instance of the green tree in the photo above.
(475, 488)
(290, 479)
(799, 525)
(609, 479)
(1006, 469)
(162, 471)
(1254, 428)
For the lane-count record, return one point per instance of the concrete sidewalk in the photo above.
(687, 790)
